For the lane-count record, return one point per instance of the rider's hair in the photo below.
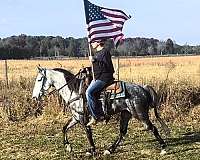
(102, 42)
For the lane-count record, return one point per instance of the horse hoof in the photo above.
(68, 148)
(163, 152)
(88, 154)
(106, 153)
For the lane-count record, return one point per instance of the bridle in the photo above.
(44, 79)
(81, 88)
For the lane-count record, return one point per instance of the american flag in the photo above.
(104, 23)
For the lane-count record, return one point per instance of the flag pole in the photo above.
(90, 50)
(90, 54)
(117, 66)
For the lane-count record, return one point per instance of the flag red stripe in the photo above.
(118, 22)
(114, 15)
(103, 37)
(111, 34)
(116, 10)
(100, 25)
(104, 31)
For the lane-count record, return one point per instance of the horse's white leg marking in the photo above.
(106, 152)
(163, 152)
(68, 148)
(88, 154)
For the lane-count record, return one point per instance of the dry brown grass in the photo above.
(143, 70)
(139, 70)
(28, 68)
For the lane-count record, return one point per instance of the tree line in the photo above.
(26, 47)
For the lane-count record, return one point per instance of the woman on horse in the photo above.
(103, 75)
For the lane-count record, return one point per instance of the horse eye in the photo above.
(40, 79)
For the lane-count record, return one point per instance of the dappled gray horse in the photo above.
(136, 103)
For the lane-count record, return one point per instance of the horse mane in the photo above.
(69, 77)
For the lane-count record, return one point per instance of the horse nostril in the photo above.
(34, 99)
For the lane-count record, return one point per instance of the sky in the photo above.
(175, 19)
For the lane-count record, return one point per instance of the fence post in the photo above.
(6, 73)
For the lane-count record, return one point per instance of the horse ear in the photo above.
(39, 68)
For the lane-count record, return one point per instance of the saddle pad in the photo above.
(120, 94)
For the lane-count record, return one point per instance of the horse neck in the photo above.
(66, 92)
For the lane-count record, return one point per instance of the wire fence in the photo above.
(134, 69)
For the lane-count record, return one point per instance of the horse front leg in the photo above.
(69, 125)
(124, 119)
(90, 151)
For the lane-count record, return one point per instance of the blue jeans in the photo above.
(92, 92)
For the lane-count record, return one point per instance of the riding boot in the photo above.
(92, 121)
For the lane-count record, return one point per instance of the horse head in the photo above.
(42, 83)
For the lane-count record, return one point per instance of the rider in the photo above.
(103, 74)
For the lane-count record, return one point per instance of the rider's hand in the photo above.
(91, 58)
(82, 70)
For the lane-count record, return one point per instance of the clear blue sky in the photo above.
(175, 19)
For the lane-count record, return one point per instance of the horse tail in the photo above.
(153, 96)
(154, 104)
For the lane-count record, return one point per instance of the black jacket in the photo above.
(103, 67)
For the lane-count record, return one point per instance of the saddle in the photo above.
(115, 87)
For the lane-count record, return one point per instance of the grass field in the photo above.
(24, 136)
(41, 138)
(130, 69)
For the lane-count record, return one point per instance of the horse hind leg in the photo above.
(154, 130)
(124, 119)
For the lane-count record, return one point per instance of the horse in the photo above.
(137, 103)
